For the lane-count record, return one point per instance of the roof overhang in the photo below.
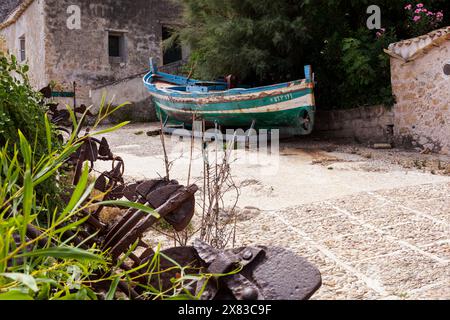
(16, 14)
(411, 49)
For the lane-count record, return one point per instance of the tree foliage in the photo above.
(264, 41)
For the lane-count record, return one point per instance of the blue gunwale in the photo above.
(156, 76)
(149, 83)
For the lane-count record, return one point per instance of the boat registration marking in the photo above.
(282, 98)
(303, 101)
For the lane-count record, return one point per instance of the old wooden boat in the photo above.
(179, 99)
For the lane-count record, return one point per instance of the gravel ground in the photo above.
(375, 222)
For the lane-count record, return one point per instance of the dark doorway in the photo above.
(175, 52)
(114, 45)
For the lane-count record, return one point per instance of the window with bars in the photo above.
(22, 49)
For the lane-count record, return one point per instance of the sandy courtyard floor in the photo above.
(375, 222)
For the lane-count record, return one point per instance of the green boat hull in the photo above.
(181, 100)
(265, 113)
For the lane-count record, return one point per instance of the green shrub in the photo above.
(364, 70)
(21, 108)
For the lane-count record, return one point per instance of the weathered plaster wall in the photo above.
(366, 124)
(422, 90)
(133, 91)
(82, 55)
(31, 25)
(3, 47)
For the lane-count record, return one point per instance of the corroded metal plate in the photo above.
(279, 274)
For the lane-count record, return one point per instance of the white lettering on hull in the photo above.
(304, 101)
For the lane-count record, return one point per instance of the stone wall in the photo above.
(130, 90)
(3, 46)
(366, 124)
(133, 91)
(422, 91)
(82, 55)
(31, 25)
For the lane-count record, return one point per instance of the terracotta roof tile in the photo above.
(411, 49)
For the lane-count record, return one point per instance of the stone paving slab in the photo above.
(333, 226)
(385, 215)
(401, 273)
(419, 231)
(434, 292)
(419, 192)
(361, 246)
(442, 250)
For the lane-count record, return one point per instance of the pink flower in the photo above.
(416, 18)
(429, 13)
(408, 7)
(381, 32)
(418, 11)
(420, 5)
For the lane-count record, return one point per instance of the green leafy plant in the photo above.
(37, 268)
(21, 108)
(365, 66)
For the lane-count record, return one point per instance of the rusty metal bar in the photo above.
(168, 207)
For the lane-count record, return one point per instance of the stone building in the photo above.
(91, 42)
(420, 70)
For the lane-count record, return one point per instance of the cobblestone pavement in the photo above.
(392, 244)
